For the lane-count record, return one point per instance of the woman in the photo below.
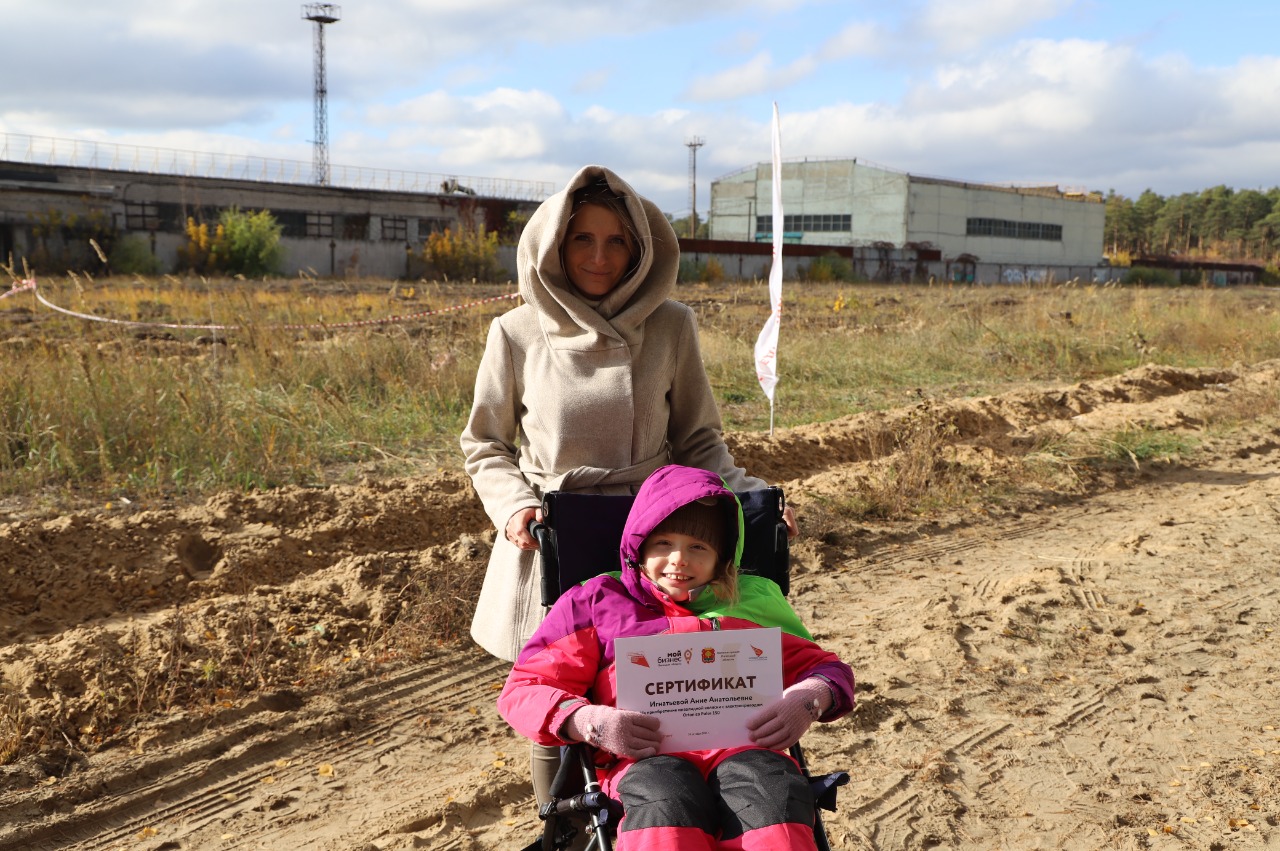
(590, 385)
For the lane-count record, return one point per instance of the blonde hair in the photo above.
(725, 583)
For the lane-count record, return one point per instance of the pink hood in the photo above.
(667, 489)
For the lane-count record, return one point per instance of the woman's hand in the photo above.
(517, 530)
(789, 517)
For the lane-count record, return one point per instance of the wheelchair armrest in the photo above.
(824, 788)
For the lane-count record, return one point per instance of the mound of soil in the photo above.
(1086, 660)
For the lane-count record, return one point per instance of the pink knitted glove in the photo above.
(618, 731)
(781, 724)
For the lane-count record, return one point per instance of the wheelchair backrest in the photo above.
(580, 534)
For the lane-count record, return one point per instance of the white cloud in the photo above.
(1069, 112)
(594, 80)
(961, 89)
(965, 25)
(756, 76)
(857, 39)
(741, 42)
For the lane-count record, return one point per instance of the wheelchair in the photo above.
(579, 534)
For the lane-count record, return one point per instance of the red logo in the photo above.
(637, 658)
(757, 650)
(708, 655)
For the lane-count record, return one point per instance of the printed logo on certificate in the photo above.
(702, 685)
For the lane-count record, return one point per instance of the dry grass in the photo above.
(106, 410)
(98, 411)
(143, 411)
(16, 727)
(845, 349)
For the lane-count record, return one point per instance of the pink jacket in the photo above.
(571, 656)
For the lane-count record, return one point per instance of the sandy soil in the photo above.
(1089, 665)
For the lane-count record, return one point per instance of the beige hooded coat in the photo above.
(587, 397)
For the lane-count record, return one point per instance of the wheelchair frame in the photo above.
(766, 552)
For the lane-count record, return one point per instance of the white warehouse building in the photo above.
(841, 202)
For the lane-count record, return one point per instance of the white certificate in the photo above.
(702, 685)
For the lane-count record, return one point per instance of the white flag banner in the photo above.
(767, 342)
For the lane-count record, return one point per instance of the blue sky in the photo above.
(1098, 94)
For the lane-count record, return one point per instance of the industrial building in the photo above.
(367, 222)
(958, 230)
(56, 195)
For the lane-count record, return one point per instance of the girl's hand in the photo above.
(781, 724)
(627, 734)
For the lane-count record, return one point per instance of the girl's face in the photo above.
(678, 563)
(597, 251)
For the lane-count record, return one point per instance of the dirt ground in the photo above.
(1092, 665)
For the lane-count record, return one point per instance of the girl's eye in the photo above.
(617, 240)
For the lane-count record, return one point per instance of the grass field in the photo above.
(225, 606)
(100, 411)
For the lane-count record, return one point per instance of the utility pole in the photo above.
(693, 145)
(321, 14)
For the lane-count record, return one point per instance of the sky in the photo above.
(1124, 95)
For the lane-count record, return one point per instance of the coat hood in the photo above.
(568, 320)
(667, 489)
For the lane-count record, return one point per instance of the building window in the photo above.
(141, 216)
(395, 229)
(808, 223)
(1013, 230)
(319, 224)
(291, 222)
(173, 217)
(355, 227)
(430, 226)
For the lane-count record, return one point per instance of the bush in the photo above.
(709, 271)
(465, 253)
(829, 268)
(689, 270)
(712, 271)
(1151, 277)
(131, 255)
(200, 254)
(251, 242)
(242, 244)
(67, 242)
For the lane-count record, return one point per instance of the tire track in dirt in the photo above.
(1029, 681)
(370, 723)
(1098, 747)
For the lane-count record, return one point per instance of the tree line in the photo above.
(1219, 223)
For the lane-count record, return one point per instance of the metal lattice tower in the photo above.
(321, 13)
(693, 145)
